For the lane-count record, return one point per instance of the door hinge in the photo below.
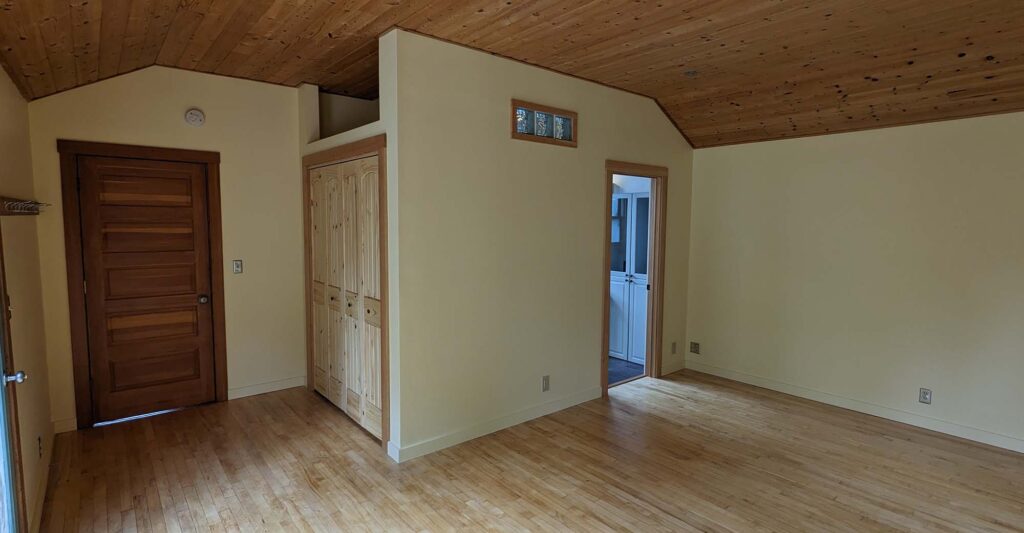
(648, 286)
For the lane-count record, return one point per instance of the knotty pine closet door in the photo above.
(345, 256)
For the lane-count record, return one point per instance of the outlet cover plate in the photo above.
(236, 266)
(695, 348)
(924, 396)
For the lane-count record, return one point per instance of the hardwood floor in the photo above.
(689, 452)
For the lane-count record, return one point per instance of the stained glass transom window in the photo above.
(534, 122)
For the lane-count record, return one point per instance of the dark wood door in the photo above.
(146, 259)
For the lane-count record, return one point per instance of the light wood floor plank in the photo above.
(689, 452)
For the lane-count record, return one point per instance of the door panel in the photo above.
(639, 252)
(336, 329)
(620, 233)
(349, 244)
(141, 281)
(618, 320)
(638, 322)
(640, 233)
(336, 332)
(318, 254)
(369, 270)
(618, 325)
(146, 256)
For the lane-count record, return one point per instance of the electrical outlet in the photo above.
(695, 348)
(545, 383)
(673, 347)
(236, 266)
(924, 396)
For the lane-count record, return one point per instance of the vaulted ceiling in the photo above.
(725, 71)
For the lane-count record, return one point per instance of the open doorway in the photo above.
(633, 265)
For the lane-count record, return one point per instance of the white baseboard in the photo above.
(898, 415)
(270, 386)
(394, 452)
(65, 425)
(422, 448)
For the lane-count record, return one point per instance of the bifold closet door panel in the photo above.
(369, 224)
(350, 279)
(318, 256)
(369, 285)
(335, 300)
(336, 319)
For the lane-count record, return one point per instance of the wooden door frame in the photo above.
(369, 147)
(14, 430)
(70, 151)
(656, 300)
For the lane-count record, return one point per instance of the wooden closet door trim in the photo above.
(69, 153)
(368, 147)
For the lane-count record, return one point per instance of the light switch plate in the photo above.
(236, 266)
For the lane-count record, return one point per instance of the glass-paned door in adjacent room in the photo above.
(638, 285)
(618, 326)
(630, 252)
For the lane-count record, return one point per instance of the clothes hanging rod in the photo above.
(18, 207)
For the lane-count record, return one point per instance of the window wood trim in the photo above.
(545, 109)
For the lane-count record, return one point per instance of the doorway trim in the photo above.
(70, 151)
(656, 303)
(369, 147)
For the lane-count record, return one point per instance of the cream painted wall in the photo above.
(21, 258)
(855, 268)
(342, 113)
(255, 127)
(502, 241)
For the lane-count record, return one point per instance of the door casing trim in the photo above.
(70, 151)
(656, 301)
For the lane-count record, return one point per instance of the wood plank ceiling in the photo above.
(725, 71)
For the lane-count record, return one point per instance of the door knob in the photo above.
(204, 299)
(17, 377)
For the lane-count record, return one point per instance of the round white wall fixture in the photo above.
(195, 117)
